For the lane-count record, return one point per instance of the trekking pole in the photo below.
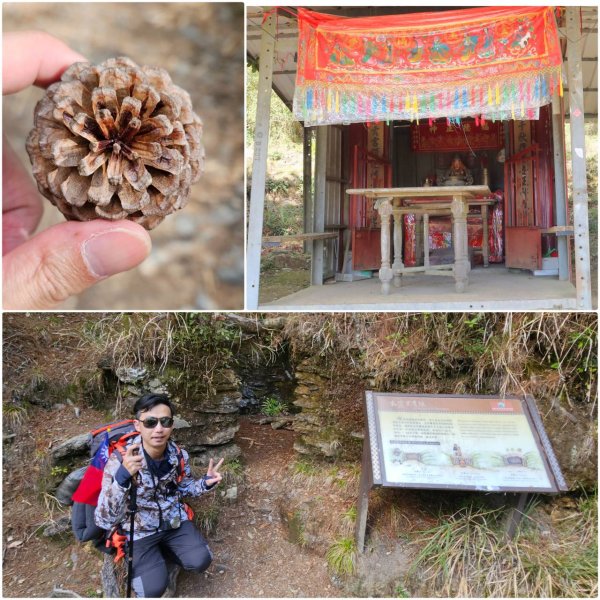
(132, 510)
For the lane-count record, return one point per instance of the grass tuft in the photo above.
(467, 554)
(272, 407)
(341, 556)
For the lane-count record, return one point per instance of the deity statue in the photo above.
(457, 174)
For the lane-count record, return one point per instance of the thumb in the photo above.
(67, 259)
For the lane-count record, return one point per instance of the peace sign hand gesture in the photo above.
(212, 475)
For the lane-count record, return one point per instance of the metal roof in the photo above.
(284, 69)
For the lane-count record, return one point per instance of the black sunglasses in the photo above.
(152, 422)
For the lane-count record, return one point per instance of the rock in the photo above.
(203, 454)
(179, 423)
(131, 374)
(282, 422)
(232, 275)
(57, 527)
(60, 592)
(231, 493)
(208, 429)
(68, 486)
(378, 571)
(75, 446)
(221, 402)
(302, 447)
(154, 384)
(225, 380)
(132, 391)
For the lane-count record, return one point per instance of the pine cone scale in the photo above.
(136, 174)
(132, 199)
(130, 109)
(88, 165)
(67, 153)
(75, 189)
(166, 184)
(101, 190)
(148, 97)
(116, 141)
(147, 150)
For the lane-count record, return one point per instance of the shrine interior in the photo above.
(411, 154)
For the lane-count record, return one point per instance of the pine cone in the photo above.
(116, 141)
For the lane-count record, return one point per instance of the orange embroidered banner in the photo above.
(498, 62)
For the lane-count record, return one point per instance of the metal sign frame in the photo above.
(373, 466)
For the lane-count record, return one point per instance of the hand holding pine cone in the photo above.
(116, 141)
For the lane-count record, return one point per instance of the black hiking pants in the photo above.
(184, 545)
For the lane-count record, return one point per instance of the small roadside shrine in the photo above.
(440, 149)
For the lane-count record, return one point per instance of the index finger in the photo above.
(131, 448)
(34, 57)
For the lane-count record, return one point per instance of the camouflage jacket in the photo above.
(159, 500)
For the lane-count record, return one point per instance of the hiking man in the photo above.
(161, 472)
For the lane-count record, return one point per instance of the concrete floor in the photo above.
(493, 288)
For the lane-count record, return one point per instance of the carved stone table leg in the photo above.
(384, 208)
(398, 265)
(462, 266)
(426, 239)
(486, 234)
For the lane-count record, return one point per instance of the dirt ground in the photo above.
(197, 261)
(283, 272)
(253, 556)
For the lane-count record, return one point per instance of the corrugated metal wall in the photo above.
(334, 198)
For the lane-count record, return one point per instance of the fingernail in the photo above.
(114, 251)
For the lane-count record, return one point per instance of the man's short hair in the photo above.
(149, 401)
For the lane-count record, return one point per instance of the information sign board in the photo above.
(481, 443)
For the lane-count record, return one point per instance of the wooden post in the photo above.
(560, 196)
(307, 183)
(384, 208)
(259, 162)
(316, 265)
(366, 483)
(580, 195)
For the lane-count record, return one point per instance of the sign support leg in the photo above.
(516, 514)
(366, 483)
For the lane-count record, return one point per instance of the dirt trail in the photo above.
(253, 557)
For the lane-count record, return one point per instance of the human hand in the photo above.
(212, 475)
(66, 259)
(132, 460)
